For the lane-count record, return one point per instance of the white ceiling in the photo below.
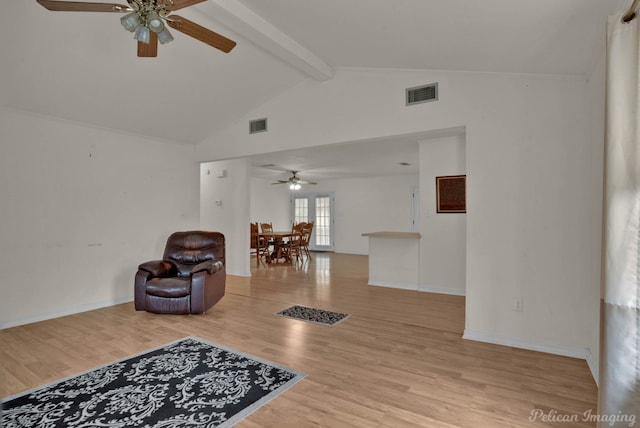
(521, 36)
(350, 160)
(83, 66)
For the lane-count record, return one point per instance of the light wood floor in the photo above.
(398, 361)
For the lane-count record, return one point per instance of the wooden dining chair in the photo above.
(259, 245)
(292, 246)
(306, 238)
(268, 228)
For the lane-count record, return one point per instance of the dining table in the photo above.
(278, 238)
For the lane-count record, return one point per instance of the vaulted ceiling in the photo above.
(83, 66)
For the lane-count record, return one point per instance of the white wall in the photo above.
(225, 207)
(443, 245)
(81, 209)
(270, 204)
(529, 162)
(370, 204)
(529, 231)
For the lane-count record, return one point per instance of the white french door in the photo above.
(318, 208)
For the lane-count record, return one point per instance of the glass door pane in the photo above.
(300, 209)
(319, 209)
(323, 222)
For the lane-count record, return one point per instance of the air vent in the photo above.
(422, 94)
(259, 125)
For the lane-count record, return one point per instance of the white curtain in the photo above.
(619, 393)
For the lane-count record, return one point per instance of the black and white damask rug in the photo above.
(315, 315)
(187, 383)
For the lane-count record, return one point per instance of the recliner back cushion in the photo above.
(190, 248)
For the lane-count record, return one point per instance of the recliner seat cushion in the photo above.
(169, 287)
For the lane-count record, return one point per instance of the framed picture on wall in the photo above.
(451, 194)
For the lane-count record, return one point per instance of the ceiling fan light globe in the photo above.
(165, 36)
(142, 34)
(154, 22)
(130, 21)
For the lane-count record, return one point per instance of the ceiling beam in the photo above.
(257, 30)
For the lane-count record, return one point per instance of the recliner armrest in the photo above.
(158, 268)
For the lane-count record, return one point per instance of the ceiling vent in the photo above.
(258, 125)
(422, 94)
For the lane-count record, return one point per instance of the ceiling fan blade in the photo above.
(149, 50)
(281, 182)
(76, 6)
(179, 4)
(306, 182)
(200, 33)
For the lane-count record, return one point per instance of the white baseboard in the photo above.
(414, 287)
(450, 291)
(402, 286)
(549, 348)
(68, 311)
(593, 366)
(355, 253)
(244, 274)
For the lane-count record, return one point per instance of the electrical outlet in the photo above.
(518, 305)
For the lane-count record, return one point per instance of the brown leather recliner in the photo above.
(189, 279)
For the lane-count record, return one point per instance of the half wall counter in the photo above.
(394, 259)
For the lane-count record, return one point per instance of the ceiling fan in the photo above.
(294, 181)
(148, 20)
